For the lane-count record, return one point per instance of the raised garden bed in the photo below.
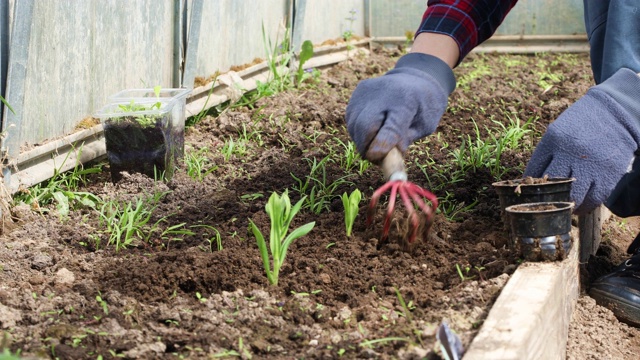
(192, 282)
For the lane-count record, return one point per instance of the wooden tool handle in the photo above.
(393, 166)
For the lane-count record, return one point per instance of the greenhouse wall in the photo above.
(528, 17)
(65, 57)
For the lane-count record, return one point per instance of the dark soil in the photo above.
(64, 294)
(148, 150)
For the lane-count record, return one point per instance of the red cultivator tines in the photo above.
(411, 194)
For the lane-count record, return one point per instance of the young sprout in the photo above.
(351, 207)
(281, 213)
(306, 53)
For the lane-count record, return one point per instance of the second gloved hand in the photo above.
(399, 107)
(594, 140)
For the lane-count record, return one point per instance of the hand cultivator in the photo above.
(393, 168)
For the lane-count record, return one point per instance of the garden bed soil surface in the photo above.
(63, 295)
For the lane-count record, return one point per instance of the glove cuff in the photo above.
(432, 66)
(624, 88)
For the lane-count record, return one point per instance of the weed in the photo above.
(451, 209)
(126, 222)
(371, 343)
(405, 308)
(347, 35)
(62, 189)
(278, 56)
(251, 197)
(464, 275)
(198, 164)
(212, 238)
(480, 69)
(351, 158)
(318, 191)
(232, 147)
(281, 213)
(103, 304)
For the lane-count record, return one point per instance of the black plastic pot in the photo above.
(513, 192)
(542, 230)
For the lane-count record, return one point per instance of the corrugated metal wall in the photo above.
(528, 17)
(330, 19)
(80, 52)
(231, 32)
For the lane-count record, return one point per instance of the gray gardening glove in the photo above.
(594, 140)
(399, 107)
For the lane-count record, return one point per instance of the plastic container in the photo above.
(139, 138)
(512, 192)
(530, 190)
(542, 230)
(177, 96)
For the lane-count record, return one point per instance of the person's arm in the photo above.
(450, 29)
(438, 45)
(406, 104)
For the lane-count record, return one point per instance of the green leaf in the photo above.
(295, 234)
(7, 104)
(306, 52)
(62, 202)
(262, 246)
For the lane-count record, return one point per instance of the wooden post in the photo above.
(590, 226)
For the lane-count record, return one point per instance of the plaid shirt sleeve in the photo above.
(468, 22)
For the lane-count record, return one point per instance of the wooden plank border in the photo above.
(531, 317)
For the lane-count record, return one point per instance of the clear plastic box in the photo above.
(178, 96)
(140, 137)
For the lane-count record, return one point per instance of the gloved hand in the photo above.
(399, 107)
(594, 140)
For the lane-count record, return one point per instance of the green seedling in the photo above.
(405, 308)
(306, 53)
(212, 238)
(62, 190)
(278, 56)
(351, 205)
(383, 341)
(198, 164)
(464, 275)
(103, 304)
(347, 35)
(281, 213)
(126, 222)
(319, 192)
(201, 298)
(132, 107)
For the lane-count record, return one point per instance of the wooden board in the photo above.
(590, 226)
(530, 319)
